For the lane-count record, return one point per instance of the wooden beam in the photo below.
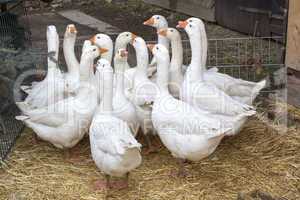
(293, 36)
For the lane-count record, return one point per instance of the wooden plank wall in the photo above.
(204, 9)
(293, 37)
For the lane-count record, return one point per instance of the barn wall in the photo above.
(293, 39)
(204, 9)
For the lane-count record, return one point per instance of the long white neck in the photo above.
(86, 67)
(163, 75)
(69, 53)
(196, 62)
(142, 60)
(164, 41)
(121, 45)
(204, 46)
(119, 68)
(108, 55)
(52, 43)
(106, 104)
(177, 56)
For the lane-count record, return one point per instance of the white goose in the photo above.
(113, 147)
(122, 107)
(187, 133)
(65, 122)
(51, 89)
(241, 90)
(143, 91)
(175, 71)
(196, 91)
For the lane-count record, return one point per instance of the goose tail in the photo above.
(259, 86)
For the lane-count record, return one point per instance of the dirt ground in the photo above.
(129, 16)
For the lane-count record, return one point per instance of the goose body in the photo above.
(185, 131)
(113, 146)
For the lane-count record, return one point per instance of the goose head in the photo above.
(103, 65)
(123, 40)
(160, 52)
(103, 41)
(86, 44)
(192, 28)
(51, 29)
(104, 71)
(157, 21)
(138, 43)
(195, 20)
(92, 52)
(71, 31)
(170, 33)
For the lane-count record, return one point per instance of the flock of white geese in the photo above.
(190, 108)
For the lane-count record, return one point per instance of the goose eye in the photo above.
(157, 17)
(157, 48)
(98, 37)
(94, 49)
(172, 31)
(191, 26)
(127, 35)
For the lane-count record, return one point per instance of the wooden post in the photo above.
(293, 36)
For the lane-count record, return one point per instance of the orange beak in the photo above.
(93, 39)
(163, 32)
(73, 29)
(149, 22)
(133, 36)
(150, 46)
(182, 24)
(103, 50)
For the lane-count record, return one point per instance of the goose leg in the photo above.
(150, 148)
(123, 184)
(102, 185)
(181, 172)
(35, 139)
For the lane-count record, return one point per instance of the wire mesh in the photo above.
(249, 58)
(14, 38)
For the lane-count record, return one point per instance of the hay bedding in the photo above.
(259, 158)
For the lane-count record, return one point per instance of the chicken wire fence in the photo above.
(14, 39)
